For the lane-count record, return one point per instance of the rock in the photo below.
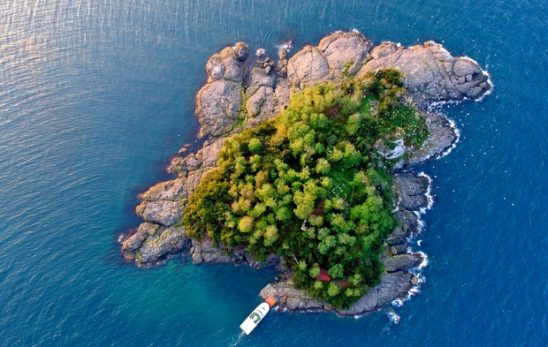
(227, 64)
(384, 49)
(402, 262)
(261, 106)
(392, 286)
(164, 212)
(132, 242)
(282, 92)
(431, 72)
(442, 136)
(411, 191)
(345, 52)
(193, 179)
(415, 280)
(288, 297)
(270, 260)
(204, 252)
(168, 190)
(399, 248)
(162, 243)
(217, 105)
(242, 51)
(307, 67)
(408, 220)
(152, 243)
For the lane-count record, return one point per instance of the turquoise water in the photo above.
(96, 95)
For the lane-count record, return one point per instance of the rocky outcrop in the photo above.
(392, 285)
(163, 212)
(410, 190)
(151, 243)
(345, 52)
(204, 251)
(442, 136)
(240, 94)
(402, 262)
(431, 72)
(218, 102)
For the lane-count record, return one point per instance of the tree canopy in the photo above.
(309, 185)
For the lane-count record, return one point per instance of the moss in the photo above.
(242, 111)
(346, 68)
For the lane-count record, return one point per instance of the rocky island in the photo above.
(337, 127)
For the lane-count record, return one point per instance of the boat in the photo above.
(251, 322)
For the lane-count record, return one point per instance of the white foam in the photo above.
(394, 317)
(288, 46)
(424, 262)
(428, 194)
(397, 303)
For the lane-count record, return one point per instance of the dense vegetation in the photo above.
(310, 186)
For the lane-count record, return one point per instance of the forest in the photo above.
(311, 186)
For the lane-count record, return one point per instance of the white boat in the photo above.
(254, 318)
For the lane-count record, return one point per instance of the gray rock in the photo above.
(163, 242)
(345, 52)
(392, 286)
(402, 262)
(242, 51)
(203, 251)
(217, 105)
(410, 190)
(399, 248)
(132, 242)
(168, 190)
(408, 221)
(164, 212)
(431, 72)
(288, 297)
(307, 67)
(441, 137)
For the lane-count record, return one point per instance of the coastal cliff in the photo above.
(238, 95)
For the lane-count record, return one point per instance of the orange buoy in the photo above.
(270, 301)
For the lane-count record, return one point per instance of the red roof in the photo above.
(323, 276)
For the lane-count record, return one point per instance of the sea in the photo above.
(96, 95)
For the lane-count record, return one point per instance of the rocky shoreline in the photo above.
(238, 94)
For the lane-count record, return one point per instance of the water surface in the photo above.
(96, 95)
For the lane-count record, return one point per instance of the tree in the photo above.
(336, 271)
(333, 289)
(245, 224)
(322, 166)
(255, 145)
(309, 185)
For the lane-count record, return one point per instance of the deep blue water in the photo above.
(96, 95)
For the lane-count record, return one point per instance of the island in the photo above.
(306, 163)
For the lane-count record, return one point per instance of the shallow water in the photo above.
(96, 95)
